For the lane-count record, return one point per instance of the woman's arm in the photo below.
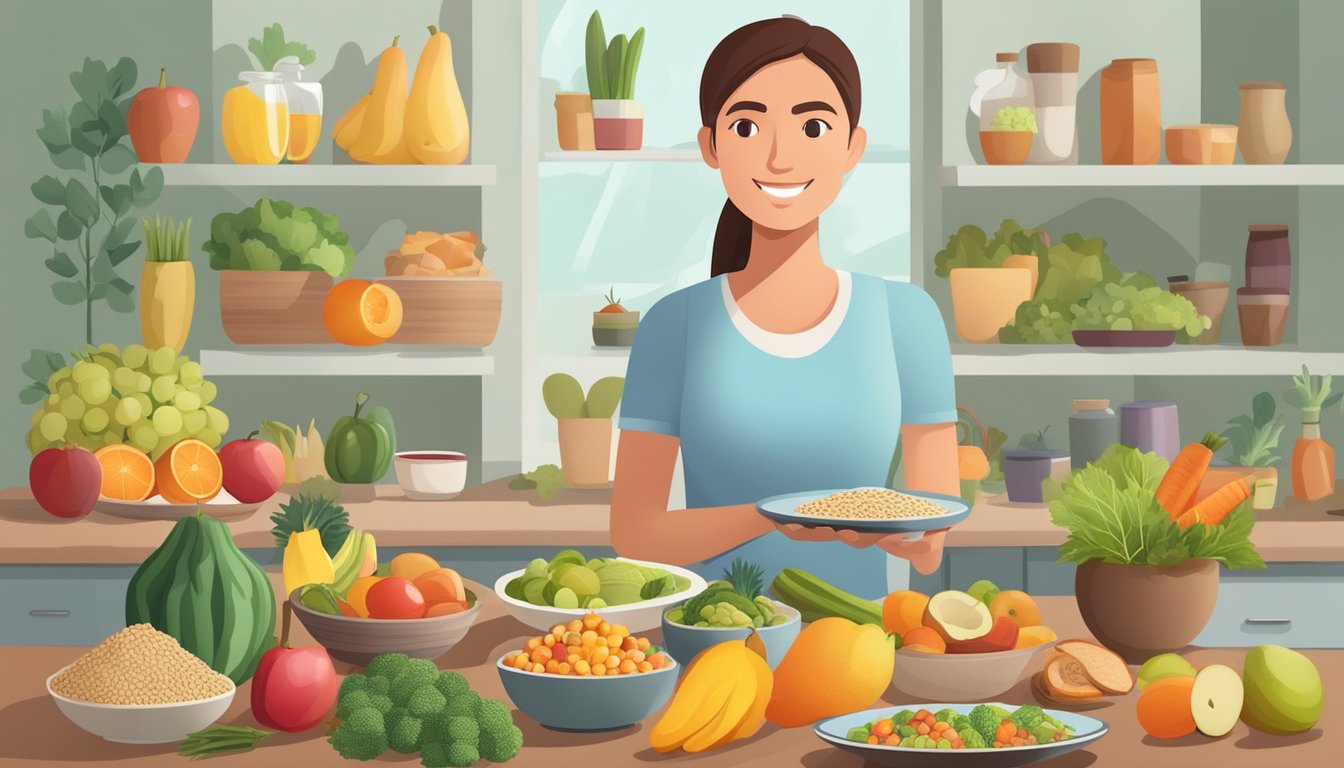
(641, 525)
(930, 455)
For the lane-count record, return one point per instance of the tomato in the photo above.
(395, 598)
(347, 609)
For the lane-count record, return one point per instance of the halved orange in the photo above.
(189, 473)
(128, 474)
(361, 313)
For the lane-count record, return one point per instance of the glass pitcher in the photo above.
(305, 109)
(255, 119)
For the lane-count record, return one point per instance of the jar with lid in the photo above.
(1053, 68)
(1000, 87)
(254, 119)
(1093, 428)
(305, 109)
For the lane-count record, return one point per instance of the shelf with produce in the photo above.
(348, 361)
(347, 175)
(684, 155)
(1183, 360)
(1142, 175)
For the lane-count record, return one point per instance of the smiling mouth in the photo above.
(784, 191)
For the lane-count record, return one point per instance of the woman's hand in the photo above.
(925, 553)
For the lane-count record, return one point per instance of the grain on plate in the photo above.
(139, 665)
(869, 504)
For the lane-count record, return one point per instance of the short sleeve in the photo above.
(923, 356)
(656, 372)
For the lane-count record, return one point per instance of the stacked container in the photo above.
(1262, 306)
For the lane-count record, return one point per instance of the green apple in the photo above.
(1283, 691)
(983, 590)
(1216, 699)
(1164, 665)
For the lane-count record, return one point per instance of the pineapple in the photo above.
(314, 507)
(747, 579)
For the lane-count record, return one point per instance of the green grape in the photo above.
(186, 400)
(167, 419)
(53, 401)
(72, 408)
(66, 389)
(134, 356)
(56, 378)
(95, 391)
(216, 420)
(112, 437)
(95, 421)
(193, 421)
(146, 405)
(124, 379)
(208, 391)
(210, 437)
(128, 411)
(52, 426)
(83, 371)
(179, 362)
(164, 388)
(108, 348)
(143, 436)
(190, 374)
(143, 382)
(109, 365)
(73, 434)
(161, 361)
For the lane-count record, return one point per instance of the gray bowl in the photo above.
(570, 703)
(684, 643)
(613, 337)
(357, 641)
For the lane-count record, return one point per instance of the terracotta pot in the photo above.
(259, 307)
(574, 120)
(618, 123)
(1131, 113)
(1203, 144)
(1209, 298)
(1006, 147)
(1266, 133)
(447, 310)
(585, 451)
(985, 299)
(1139, 611)
(1263, 316)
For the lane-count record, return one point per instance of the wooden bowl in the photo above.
(259, 307)
(1006, 147)
(447, 310)
(357, 641)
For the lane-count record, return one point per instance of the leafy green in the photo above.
(272, 47)
(545, 480)
(276, 235)
(970, 247)
(1127, 307)
(1255, 436)
(1111, 514)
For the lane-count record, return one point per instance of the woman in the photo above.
(780, 374)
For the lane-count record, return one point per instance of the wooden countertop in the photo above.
(492, 515)
(33, 732)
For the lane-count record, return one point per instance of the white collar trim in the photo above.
(799, 344)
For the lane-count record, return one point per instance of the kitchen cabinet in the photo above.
(62, 604)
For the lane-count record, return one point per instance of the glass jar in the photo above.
(1008, 89)
(305, 109)
(1053, 68)
(254, 119)
(1093, 428)
(574, 120)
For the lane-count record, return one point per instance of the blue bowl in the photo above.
(684, 643)
(586, 704)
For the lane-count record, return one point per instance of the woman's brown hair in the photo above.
(739, 56)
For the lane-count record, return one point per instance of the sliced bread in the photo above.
(1103, 667)
(1064, 678)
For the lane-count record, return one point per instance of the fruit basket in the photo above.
(259, 307)
(447, 310)
(357, 640)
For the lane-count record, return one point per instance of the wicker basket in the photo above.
(273, 307)
(462, 311)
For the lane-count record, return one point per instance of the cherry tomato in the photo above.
(395, 598)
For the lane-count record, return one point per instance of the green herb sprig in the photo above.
(166, 240)
(220, 739)
(273, 47)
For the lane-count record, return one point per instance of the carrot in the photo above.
(1212, 510)
(1183, 477)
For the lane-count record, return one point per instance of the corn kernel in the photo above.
(532, 644)
(573, 657)
(562, 668)
(598, 655)
(575, 626)
(548, 641)
(613, 662)
(539, 669)
(629, 644)
(627, 667)
(589, 639)
(635, 656)
(558, 630)
(604, 629)
(612, 642)
(620, 630)
(644, 644)
(645, 666)
(581, 667)
(591, 621)
(552, 666)
(541, 655)
(599, 670)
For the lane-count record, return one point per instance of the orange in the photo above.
(1030, 637)
(1164, 708)
(188, 473)
(439, 586)
(358, 593)
(903, 611)
(923, 639)
(412, 565)
(128, 474)
(361, 313)
(1016, 605)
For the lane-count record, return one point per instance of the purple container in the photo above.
(1151, 426)
(1023, 471)
(1269, 262)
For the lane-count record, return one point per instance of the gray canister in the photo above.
(1151, 425)
(1093, 427)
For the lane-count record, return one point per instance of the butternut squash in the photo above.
(834, 667)
(436, 118)
(347, 127)
(381, 129)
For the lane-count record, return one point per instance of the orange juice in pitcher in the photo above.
(254, 120)
(305, 109)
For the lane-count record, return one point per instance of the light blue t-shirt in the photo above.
(759, 413)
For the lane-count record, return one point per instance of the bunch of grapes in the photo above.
(147, 398)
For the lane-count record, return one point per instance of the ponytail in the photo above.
(732, 241)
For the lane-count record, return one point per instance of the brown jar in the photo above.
(1269, 261)
(1266, 133)
(1131, 113)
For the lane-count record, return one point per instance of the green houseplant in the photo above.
(1254, 439)
(618, 118)
(585, 426)
(1144, 585)
(990, 276)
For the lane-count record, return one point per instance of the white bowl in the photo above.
(142, 723)
(431, 475)
(960, 677)
(637, 617)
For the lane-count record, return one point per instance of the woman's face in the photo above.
(783, 145)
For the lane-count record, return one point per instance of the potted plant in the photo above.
(167, 284)
(585, 426)
(276, 262)
(618, 119)
(1313, 458)
(1254, 439)
(1145, 585)
(990, 277)
(614, 325)
(1008, 140)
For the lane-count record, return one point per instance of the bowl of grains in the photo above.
(139, 686)
(867, 510)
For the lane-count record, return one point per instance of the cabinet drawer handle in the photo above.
(50, 614)
(1270, 622)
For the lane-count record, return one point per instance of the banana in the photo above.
(700, 696)
(347, 562)
(765, 684)
(722, 698)
(437, 132)
(730, 717)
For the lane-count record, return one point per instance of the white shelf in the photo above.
(1179, 360)
(346, 361)
(1142, 175)
(234, 175)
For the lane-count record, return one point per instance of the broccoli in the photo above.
(971, 739)
(353, 683)
(946, 715)
(416, 674)
(433, 755)
(463, 705)
(500, 747)
(360, 736)
(493, 716)
(985, 719)
(960, 723)
(381, 703)
(387, 665)
(451, 684)
(462, 754)
(464, 729)
(1027, 717)
(349, 701)
(403, 734)
(378, 685)
(426, 700)
(434, 729)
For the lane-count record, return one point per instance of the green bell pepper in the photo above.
(359, 449)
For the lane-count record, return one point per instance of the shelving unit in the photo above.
(344, 361)
(234, 175)
(1065, 360)
(1142, 176)
(684, 155)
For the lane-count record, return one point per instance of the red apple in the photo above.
(253, 469)
(162, 122)
(65, 481)
(294, 688)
